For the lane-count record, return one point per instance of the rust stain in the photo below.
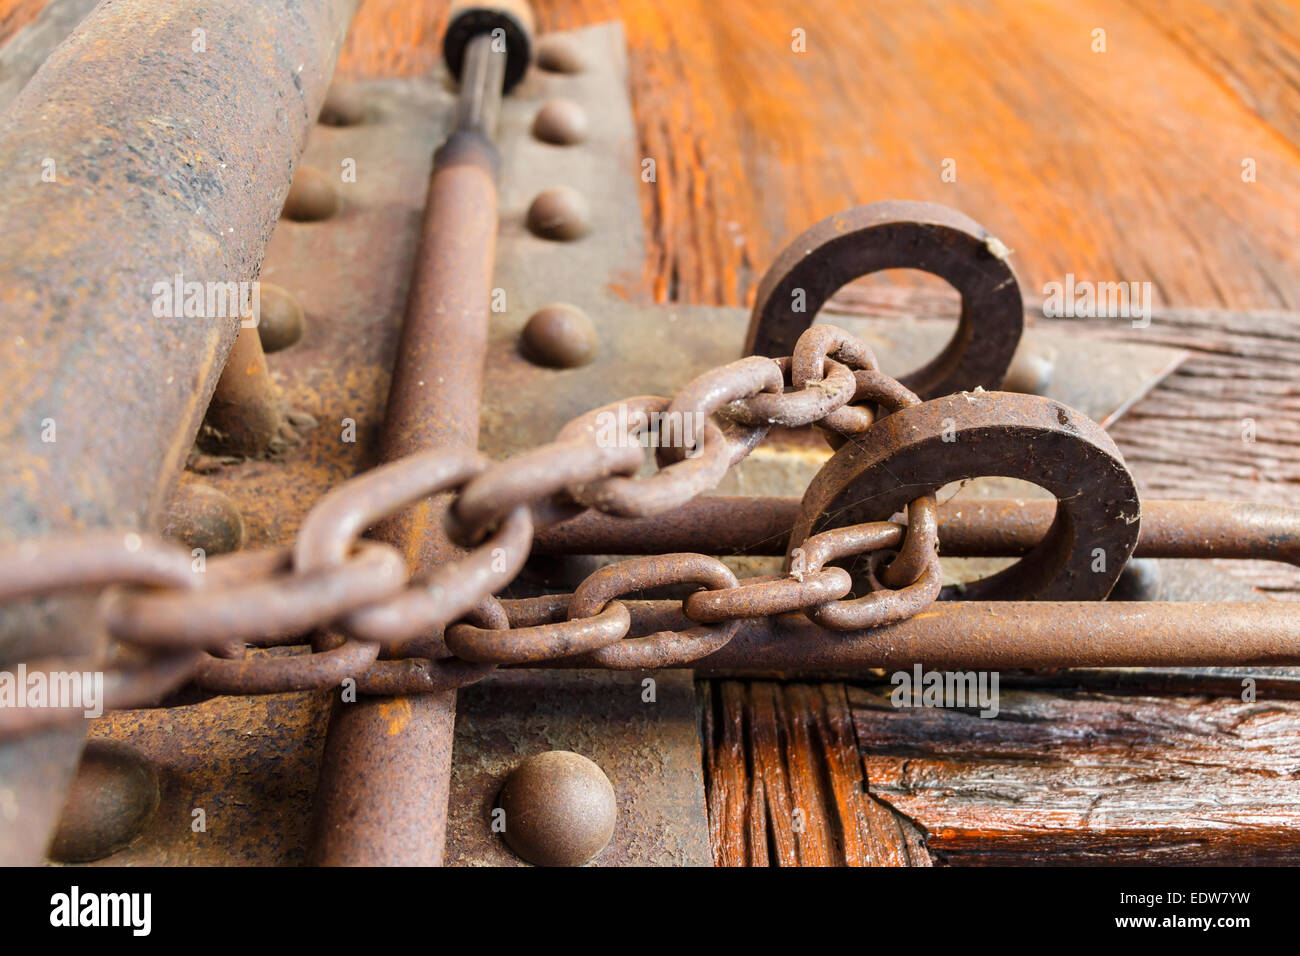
(396, 712)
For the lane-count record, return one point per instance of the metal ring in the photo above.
(899, 235)
(882, 607)
(915, 451)
(666, 648)
(707, 393)
(534, 476)
(540, 642)
(669, 487)
(254, 599)
(757, 597)
(97, 559)
(795, 409)
(446, 592)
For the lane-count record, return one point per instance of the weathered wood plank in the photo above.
(786, 785)
(1071, 776)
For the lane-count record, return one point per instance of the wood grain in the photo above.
(785, 783)
(1116, 165)
(1074, 777)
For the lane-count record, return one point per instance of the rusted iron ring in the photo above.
(277, 674)
(622, 423)
(445, 593)
(759, 597)
(249, 597)
(795, 409)
(709, 392)
(872, 386)
(915, 451)
(878, 607)
(533, 478)
(559, 637)
(98, 559)
(665, 648)
(899, 235)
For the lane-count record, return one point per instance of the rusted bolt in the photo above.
(344, 106)
(280, 323)
(1139, 581)
(200, 516)
(312, 196)
(560, 212)
(1031, 369)
(560, 336)
(559, 809)
(561, 123)
(560, 55)
(113, 796)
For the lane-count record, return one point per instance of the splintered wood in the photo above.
(1055, 778)
(785, 784)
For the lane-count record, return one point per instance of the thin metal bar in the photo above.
(385, 777)
(968, 527)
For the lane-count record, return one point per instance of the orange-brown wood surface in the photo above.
(1117, 165)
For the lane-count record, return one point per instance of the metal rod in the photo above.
(385, 776)
(993, 635)
(102, 381)
(968, 527)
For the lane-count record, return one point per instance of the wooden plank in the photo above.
(1122, 165)
(1074, 777)
(786, 785)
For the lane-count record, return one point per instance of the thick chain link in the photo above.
(352, 598)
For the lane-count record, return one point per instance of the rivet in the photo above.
(559, 336)
(280, 321)
(200, 516)
(561, 123)
(560, 55)
(1139, 581)
(312, 196)
(559, 213)
(559, 809)
(113, 796)
(344, 106)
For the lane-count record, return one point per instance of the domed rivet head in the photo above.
(113, 797)
(312, 196)
(559, 213)
(344, 106)
(200, 516)
(559, 336)
(280, 322)
(559, 809)
(560, 123)
(560, 55)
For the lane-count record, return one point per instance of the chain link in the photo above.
(340, 600)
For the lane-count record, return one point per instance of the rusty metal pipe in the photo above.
(995, 635)
(968, 527)
(385, 777)
(117, 179)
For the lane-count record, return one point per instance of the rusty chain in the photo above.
(353, 598)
